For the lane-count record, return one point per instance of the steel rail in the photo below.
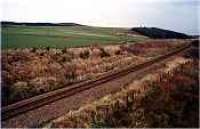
(23, 106)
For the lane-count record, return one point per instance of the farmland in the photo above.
(22, 36)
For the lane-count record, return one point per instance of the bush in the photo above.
(85, 54)
(104, 53)
(20, 91)
(118, 52)
(47, 48)
(33, 49)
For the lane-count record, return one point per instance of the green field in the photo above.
(19, 36)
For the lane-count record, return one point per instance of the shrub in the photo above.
(104, 53)
(33, 49)
(85, 54)
(118, 52)
(47, 48)
(20, 90)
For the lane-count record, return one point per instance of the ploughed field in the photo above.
(32, 71)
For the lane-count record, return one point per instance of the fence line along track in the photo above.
(40, 100)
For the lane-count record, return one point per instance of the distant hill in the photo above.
(40, 24)
(157, 33)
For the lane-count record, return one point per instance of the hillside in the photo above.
(40, 24)
(62, 35)
(157, 33)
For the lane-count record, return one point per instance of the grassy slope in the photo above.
(17, 36)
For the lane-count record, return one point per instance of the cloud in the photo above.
(180, 15)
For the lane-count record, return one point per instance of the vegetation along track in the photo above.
(37, 101)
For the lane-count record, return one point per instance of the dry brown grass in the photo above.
(42, 70)
(169, 99)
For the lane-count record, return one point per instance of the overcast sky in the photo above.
(178, 15)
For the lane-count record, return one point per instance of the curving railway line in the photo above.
(40, 100)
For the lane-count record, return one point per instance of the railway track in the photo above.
(40, 100)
